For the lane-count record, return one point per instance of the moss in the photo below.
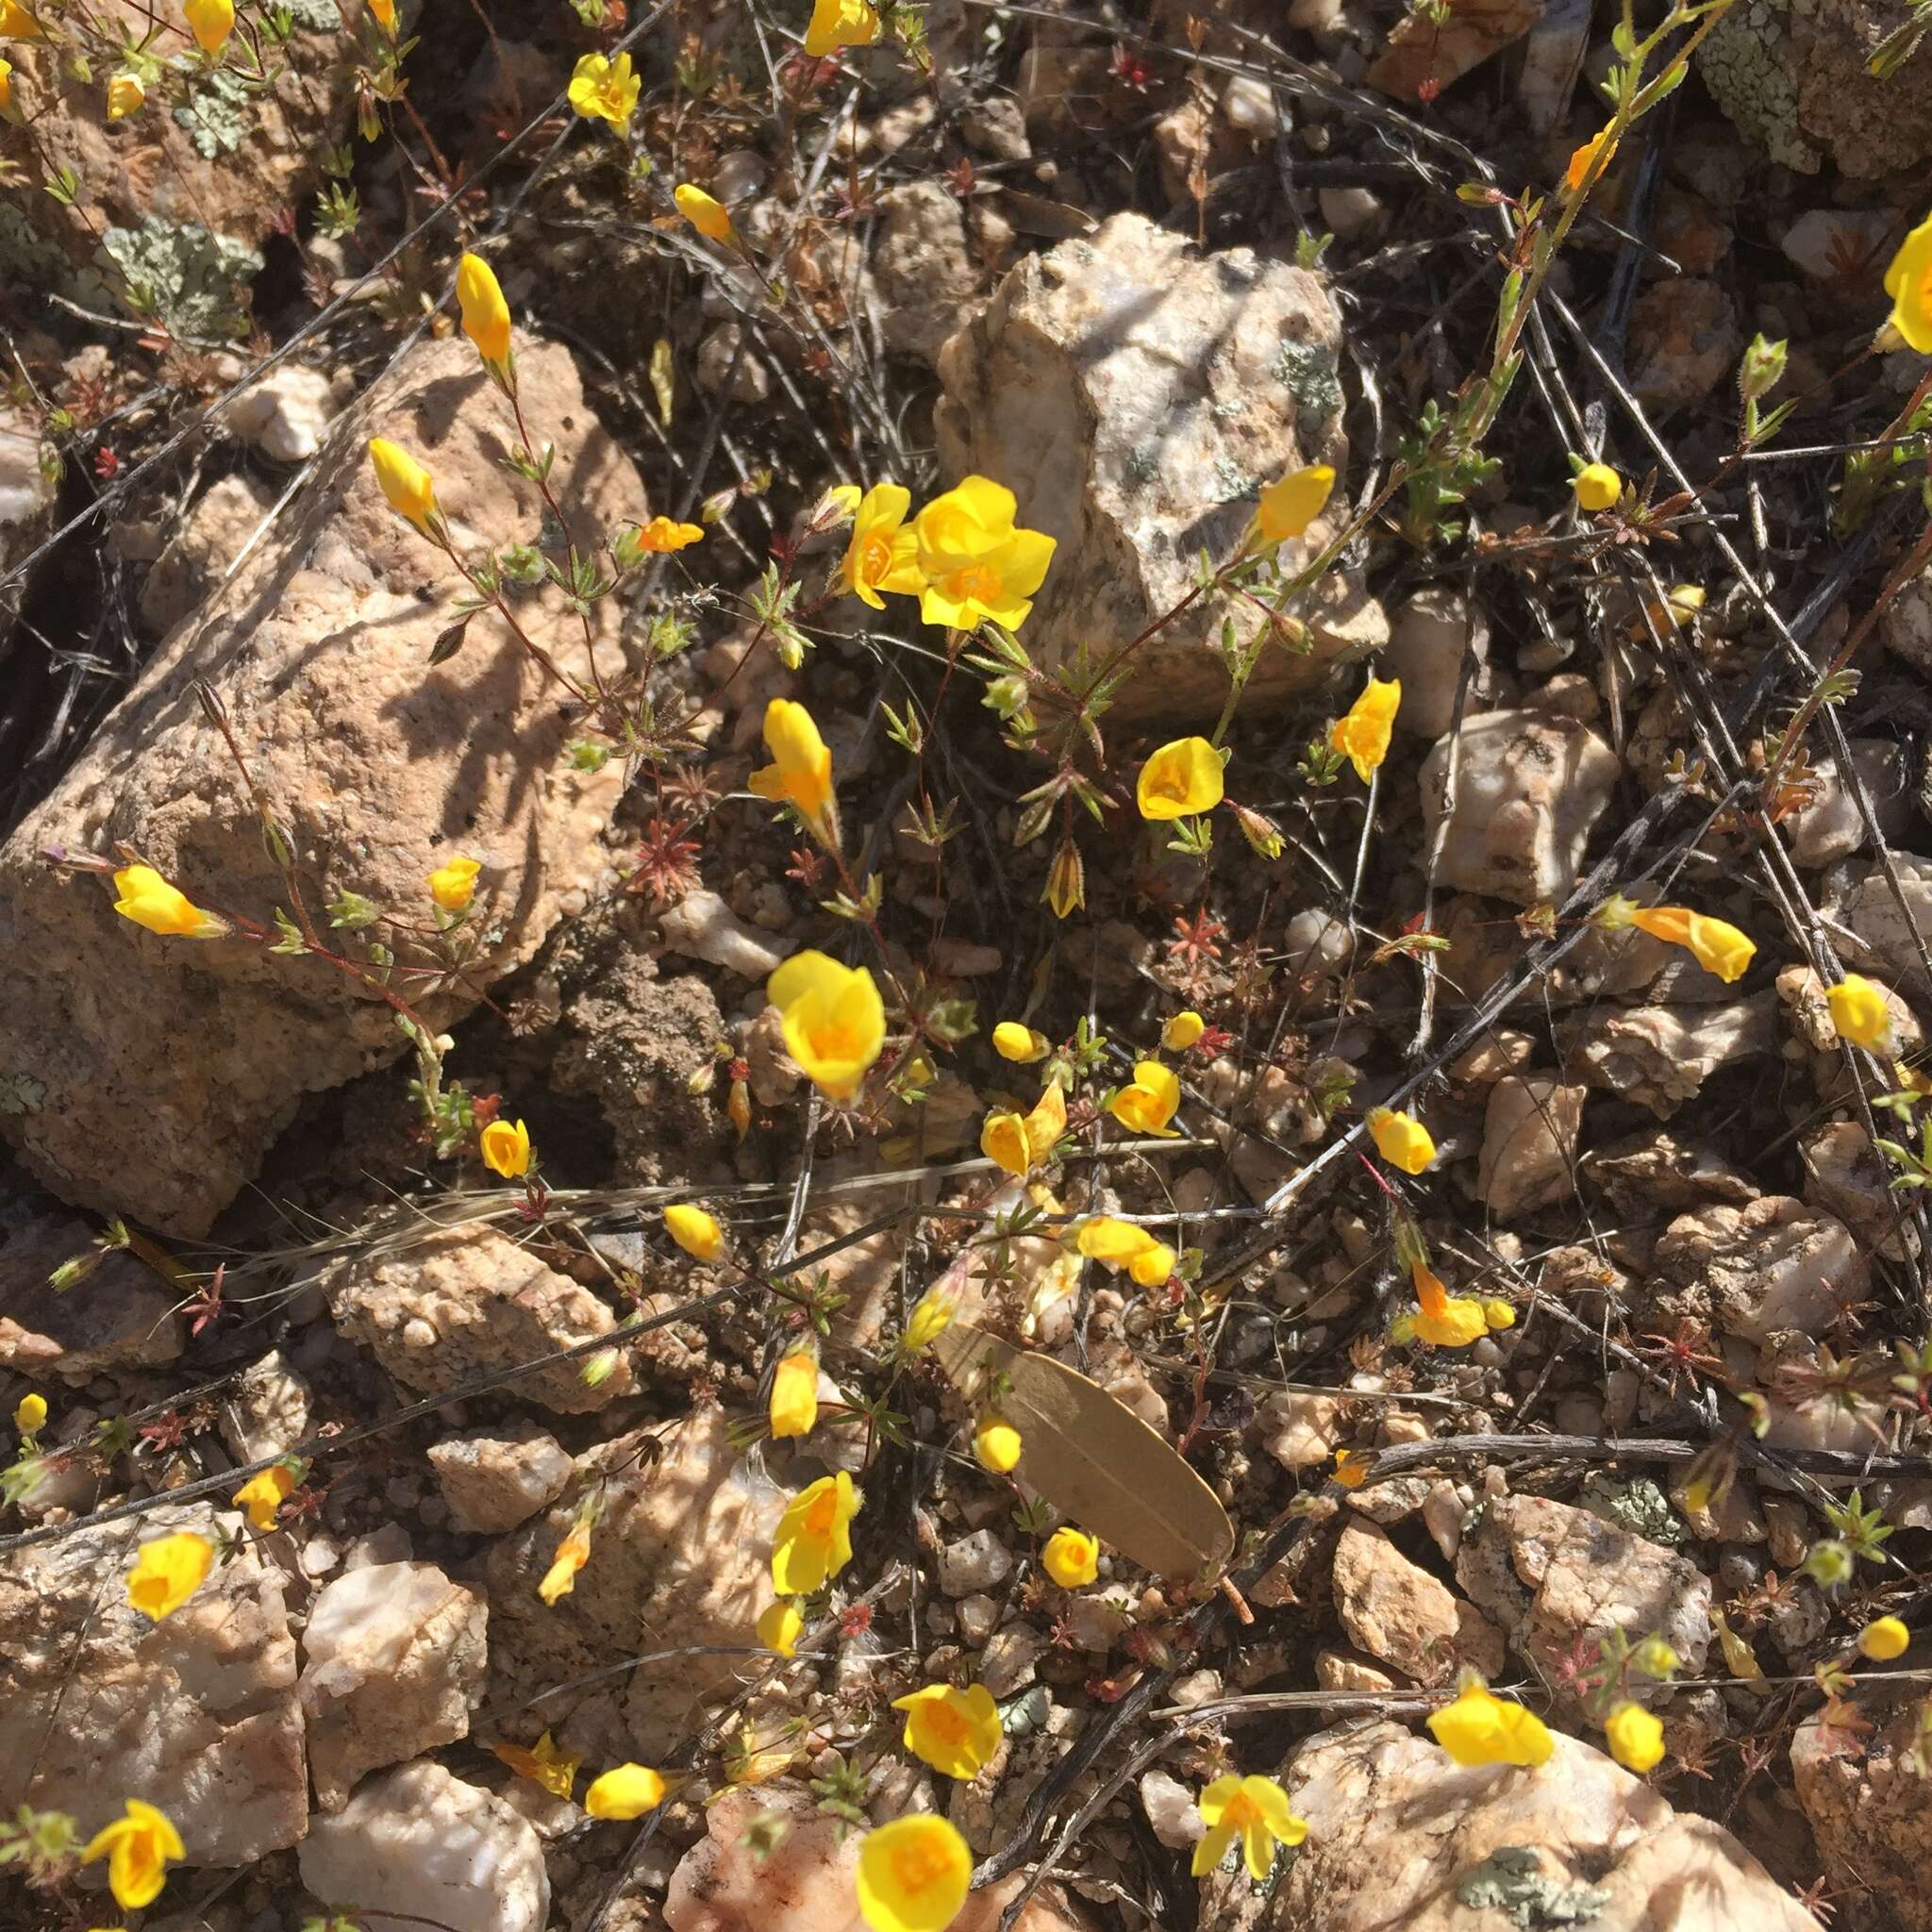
(194, 281)
(1743, 65)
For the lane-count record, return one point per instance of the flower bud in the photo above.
(1762, 368)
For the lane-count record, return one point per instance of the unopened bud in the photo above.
(1762, 368)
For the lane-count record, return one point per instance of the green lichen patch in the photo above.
(193, 280)
(1510, 1881)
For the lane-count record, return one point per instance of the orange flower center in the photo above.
(1925, 288)
(874, 558)
(822, 1514)
(945, 1723)
(1242, 1813)
(976, 583)
(920, 1866)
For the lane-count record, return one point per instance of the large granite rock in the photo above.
(154, 1072)
(1135, 396)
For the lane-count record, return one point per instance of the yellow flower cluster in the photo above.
(1149, 1102)
(1071, 1557)
(604, 90)
(962, 556)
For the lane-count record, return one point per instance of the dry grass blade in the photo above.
(1094, 1459)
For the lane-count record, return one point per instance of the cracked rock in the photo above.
(1395, 1610)
(1661, 1056)
(1772, 1265)
(1529, 1145)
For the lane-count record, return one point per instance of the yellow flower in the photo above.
(800, 774)
(486, 314)
(780, 1627)
(1021, 1045)
(1719, 946)
(602, 90)
(1112, 1243)
(1907, 281)
(836, 24)
(1860, 1012)
(996, 1445)
(814, 1540)
(453, 884)
(31, 1415)
(912, 1874)
(694, 1230)
(1181, 777)
(151, 902)
(137, 1848)
(17, 24)
(167, 1573)
(1481, 1729)
(661, 536)
(1635, 1737)
(210, 22)
(5, 85)
(1446, 1321)
(882, 554)
(1352, 1467)
(835, 1022)
(1584, 159)
(1401, 1140)
(1020, 1145)
(1597, 486)
(976, 564)
(385, 12)
(264, 1496)
(954, 1731)
(1255, 1809)
(709, 217)
(1290, 504)
(628, 1792)
(1182, 1031)
(125, 96)
(1884, 1638)
(572, 1553)
(795, 1394)
(546, 1765)
(507, 1149)
(407, 487)
(1071, 1557)
(1363, 732)
(1498, 1314)
(1149, 1104)
(931, 1316)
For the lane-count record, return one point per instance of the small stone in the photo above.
(977, 1617)
(964, 960)
(429, 1847)
(1775, 1265)
(735, 174)
(996, 129)
(1354, 215)
(925, 274)
(702, 926)
(720, 363)
(1007, 1662)
(1661, 1056)
(1347, 1670)
(1170, 1811)
(1444, 1512)
(495, 1479)
(1529, 1145)
(284, 414)
(974, 1565)
(1684, 341)
(1298, 1429)
(118, 1316)
(1428, 638)
(1395, 1610)
(1832, 826)
(265, 1411)
(1317, 945)
(1250, 105)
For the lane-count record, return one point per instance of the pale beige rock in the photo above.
(1134, 396)
(379, 768)
(1529, 1145)
(1395, 1610)
(1344, 1670)
(1832, 826)
(493, 1479)
(1661, 1056)
(681, 1554)
(805, 1885)
(1773, 1264)
(198, 1710)
(26, 494)
(1549, 1574)
(1870, 1808)
(265, 1411)
(925, 276)
(1528, 790)
(1875, 915)
(1428, 638)
(1684, 340)
(427, 1846)
(1849, 1178)
(395, 1656)
(1399, 1834)
(120, 1316)
(1298, 1429)
(468, 1300)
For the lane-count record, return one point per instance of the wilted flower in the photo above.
(883, 553)
(800, 774)
(486, 314)
(1290, 504)
(954, 1731)
(384, 12)
(602, 90)
(694, 1230)
(1479, 1728)
(1636, 1738)
(210, 22)
(1584, 159)
(1066, 881)
(709, 217)
(125, 96)
(1718, 946)
(1021, 1145)
(976, 564)
(1071, 1557)
(996, 1444)
(543, 1764)
(1860, 1012)
(912, 1874)
(506, 1149)
(661, 536)
(571, 1555)
(1147, 1105)
(627, 1792)
(1021, 1045)
(780, 1627)
(1909, 282)
(1352, 1467)
(407, 487)
(795, 1394)
(1182, 1031)
(1597, 486)
(262, 1495)
(836, 24)
(1446, 1321)
(453, 884)
(1364, 730)
(1255, 1809)
(1182, 778)
(834, 1020)
(1124, 1244)
(137, 1848)
(814, 1540)
(1400, 1139)
(151, 902)
(168, 1571)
